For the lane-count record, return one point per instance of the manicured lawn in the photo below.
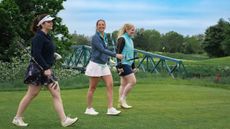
(176, 105)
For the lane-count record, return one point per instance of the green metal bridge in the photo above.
(147, 62)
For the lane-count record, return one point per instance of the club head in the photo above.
(57, 56)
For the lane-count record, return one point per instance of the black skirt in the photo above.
(35, 76)
(127, 70)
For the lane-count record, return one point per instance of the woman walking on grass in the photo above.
(40, 73)
(98, 69)
(126, 67)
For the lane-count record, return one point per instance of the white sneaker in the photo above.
(123, 104)
(113, 111)
(19, 122)
(91, 111)
(69, 121)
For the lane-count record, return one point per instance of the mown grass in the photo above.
(223, 61)
(159, 103)
(185, 56)
(209, 68)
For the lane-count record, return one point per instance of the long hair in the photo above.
(34, 28)
(125, 27)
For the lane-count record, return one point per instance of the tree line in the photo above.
(17, 15)
(215, 42)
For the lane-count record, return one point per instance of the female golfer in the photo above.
(39, 71)
(98, 69)
(125, 67)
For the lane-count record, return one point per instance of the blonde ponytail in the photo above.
(125, 27)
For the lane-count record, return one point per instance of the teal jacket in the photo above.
(127, 50)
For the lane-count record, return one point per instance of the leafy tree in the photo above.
(193, 45)
(172, 42)
(79, 39)
(226, 43)
(216, 42)
(9, 13)
(139, 41)
(115, 34)
(152, 40)
(16, 18)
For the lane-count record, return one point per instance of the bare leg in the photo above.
(92, 87)
(57, 101)
(32, 92)
(131, 81)
(109, 86)
(123, 83)
(127, 83)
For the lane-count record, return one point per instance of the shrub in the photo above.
(15, 70)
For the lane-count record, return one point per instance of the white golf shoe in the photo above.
(123, 104)
(18, 121)
(113, 111)
(69, 121)
(91, 111)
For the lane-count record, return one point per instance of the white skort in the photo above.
(97, 70)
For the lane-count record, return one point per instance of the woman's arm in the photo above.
(100, 47)
(120, 47)
(37, 46)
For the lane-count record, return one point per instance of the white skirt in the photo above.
(97, 70)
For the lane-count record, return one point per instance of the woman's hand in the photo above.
(54, 83)
(135, 70)
(48, 72)
(119, 56)
(120, 70)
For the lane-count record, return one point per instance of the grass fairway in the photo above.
(181, 105)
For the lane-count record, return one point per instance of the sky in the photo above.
(187, 17)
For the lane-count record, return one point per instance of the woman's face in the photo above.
(48, 25)
(101, 26)
(131, 31)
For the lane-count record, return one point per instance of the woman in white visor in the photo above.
(39, 71)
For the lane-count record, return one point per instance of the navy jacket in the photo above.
(100, 53)
(43, 49)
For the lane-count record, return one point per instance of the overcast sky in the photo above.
(187, 17)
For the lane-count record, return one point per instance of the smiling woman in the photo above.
(98, 69)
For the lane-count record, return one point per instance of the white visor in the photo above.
(46, 18)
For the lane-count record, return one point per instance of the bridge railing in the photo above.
(147, 62)
(150, 62)
(79, 58)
